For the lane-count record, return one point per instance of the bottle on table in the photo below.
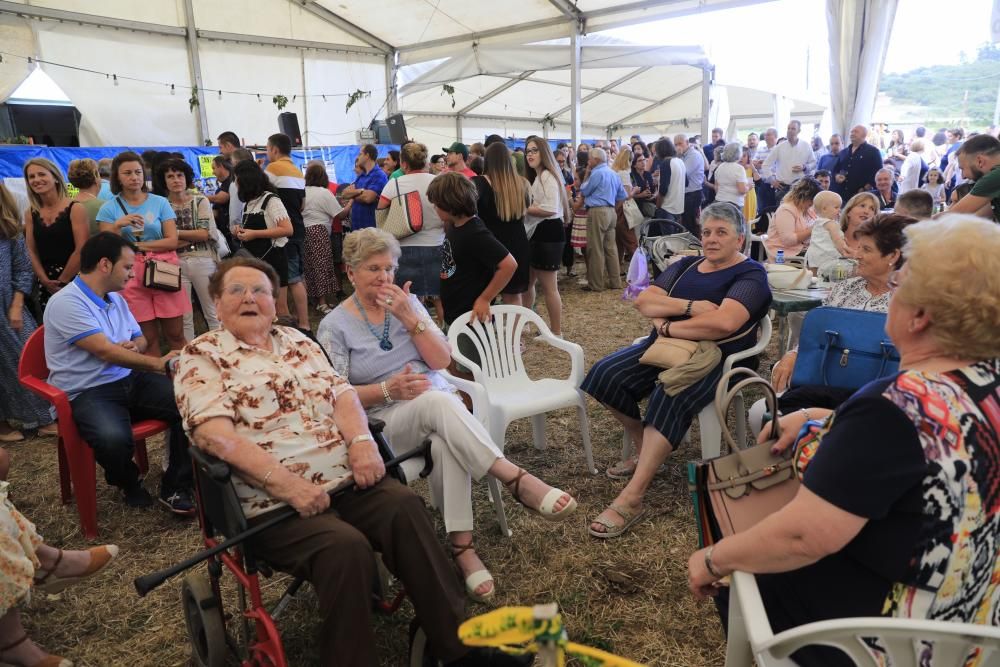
(779, 258)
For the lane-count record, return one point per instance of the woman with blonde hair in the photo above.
(544, 225)
(502, 204)
(55, 228)
(86, 178)
(19, 409)
(859, 209)
(788, 229)
(897, 514)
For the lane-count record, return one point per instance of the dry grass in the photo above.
(627, 595)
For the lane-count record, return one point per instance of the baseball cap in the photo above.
(458, 147)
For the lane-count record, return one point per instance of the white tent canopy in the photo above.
(130, 67)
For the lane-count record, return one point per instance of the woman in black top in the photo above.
(642, 179)
(502, 203)
(223, 170)
(55, 228)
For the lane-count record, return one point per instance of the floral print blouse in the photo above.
(282, 400)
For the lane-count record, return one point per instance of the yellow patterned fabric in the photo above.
(18, 541)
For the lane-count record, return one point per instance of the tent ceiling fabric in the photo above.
(16, 36)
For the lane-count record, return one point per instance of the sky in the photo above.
(925, 32)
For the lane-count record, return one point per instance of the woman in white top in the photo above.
(319, 211)
(420, 263)
(909, 173)
(731, 177)
(544, 224)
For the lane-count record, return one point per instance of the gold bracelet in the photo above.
(267, 476)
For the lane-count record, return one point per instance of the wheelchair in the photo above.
(259, 643)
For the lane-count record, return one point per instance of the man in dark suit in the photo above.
(855, 169)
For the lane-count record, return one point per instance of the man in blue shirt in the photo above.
(366, 189)
(694, 166)
(95, 353)
(600, 191)
(828, 161)
(856, 165)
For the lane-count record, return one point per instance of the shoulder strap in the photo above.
(121, 204)
(678, 278)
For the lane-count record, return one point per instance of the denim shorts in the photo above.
(295, 253)
(421, 265)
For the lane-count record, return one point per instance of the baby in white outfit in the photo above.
(827, 242)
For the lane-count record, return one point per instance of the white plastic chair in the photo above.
(708, 422)
(502, 391)
(751, 638)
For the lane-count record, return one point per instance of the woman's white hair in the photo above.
(732, 151)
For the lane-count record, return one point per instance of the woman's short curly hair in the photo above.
(953, 267)
(363, 243)
(83, 173)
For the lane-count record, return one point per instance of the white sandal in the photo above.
(477, 578)
(546, 508)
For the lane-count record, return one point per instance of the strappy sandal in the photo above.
(47, 661)
(612, 529)
(477, 578)
(51, 583)
(545, 509)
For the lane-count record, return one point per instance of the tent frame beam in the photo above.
(194, 59)
(496, 91)
(46, 14)
(623, 121)
(606, 89)
(337, 21)
(567, 9)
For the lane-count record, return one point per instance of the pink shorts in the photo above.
(149, 304)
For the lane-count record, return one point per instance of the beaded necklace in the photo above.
(383, 340)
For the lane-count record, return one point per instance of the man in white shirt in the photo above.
(788, 162)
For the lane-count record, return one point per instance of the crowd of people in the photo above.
(287, 407)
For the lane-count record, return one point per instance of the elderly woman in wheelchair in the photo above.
(899, 510)
(385, 343)
(265, 400)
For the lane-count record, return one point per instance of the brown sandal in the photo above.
(546, 509)
(52, 583)
(47, 661)
(477, 578)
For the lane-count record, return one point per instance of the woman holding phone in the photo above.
(149, 221)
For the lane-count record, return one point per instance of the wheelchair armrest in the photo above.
(376, 426)
(216, 469)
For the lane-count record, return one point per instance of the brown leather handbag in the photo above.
(162, 275)
(734, 492)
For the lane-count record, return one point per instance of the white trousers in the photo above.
(195, 272)
(461, 448)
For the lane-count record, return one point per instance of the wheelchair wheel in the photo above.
(203, 617)
(419, 653)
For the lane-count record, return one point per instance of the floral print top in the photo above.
(282, 400)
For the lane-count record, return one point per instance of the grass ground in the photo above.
(627, 595)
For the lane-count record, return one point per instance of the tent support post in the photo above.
(392, 93)
(575, 81)
(305, 101)
(195, 62)
(707, 74)
(458, 128)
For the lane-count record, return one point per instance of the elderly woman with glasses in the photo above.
(385, 343)
(716, 297)
(897, 514)
(265, 399)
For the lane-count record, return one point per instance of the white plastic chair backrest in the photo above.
(498, 343)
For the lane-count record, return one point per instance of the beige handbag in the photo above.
(788, 276)
(162, 275)
(734, 492)
(404, 217)
(669, 352)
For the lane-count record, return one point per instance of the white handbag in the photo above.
(633, 216)
(785, 276)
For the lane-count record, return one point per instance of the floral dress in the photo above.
(18, 406)
(18, 562)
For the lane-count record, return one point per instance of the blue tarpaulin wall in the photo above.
(339, 159)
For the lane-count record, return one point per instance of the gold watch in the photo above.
(420, 327)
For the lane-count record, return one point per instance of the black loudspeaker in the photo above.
(397, 128)
(288, 123)
(381, 131)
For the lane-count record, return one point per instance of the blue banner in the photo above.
(339, 160)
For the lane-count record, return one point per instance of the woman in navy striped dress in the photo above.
(719, 296)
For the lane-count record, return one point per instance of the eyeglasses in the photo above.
(531, 151)
(257, 291)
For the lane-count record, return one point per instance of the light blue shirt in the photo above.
(73, 313)
(105, 192)
(155, 210)
(603, 188)
(694, 165)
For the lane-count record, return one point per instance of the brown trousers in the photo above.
(335, 553)
(603, 268)
(625, 239)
